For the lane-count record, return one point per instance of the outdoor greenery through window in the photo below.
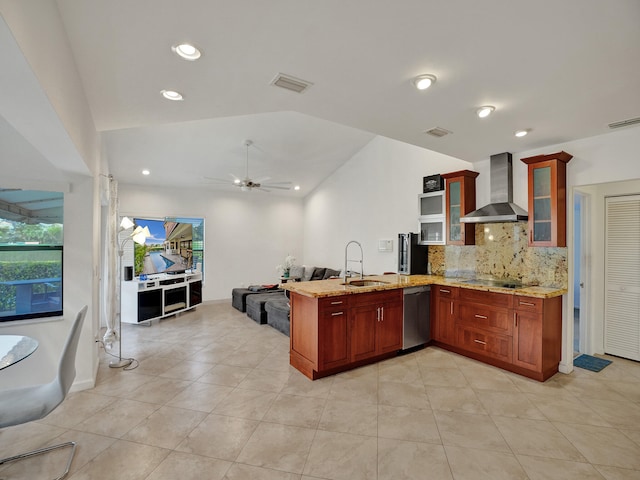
(31, 247)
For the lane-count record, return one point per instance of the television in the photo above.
(169, 248)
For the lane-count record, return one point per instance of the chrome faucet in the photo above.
(346, 261)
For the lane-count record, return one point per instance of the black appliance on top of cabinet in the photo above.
(412, 258)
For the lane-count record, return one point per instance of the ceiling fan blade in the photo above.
(270, 185)
(261, 180)
(279, 183)
(218, 180)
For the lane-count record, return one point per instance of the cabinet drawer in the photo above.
(445, 292)
(331, 304)
(528, 304)
(488, 298)
(490, 344)
(486, 317)
(376, 297)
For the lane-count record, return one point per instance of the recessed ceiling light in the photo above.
(186, 51)
(145, 172)
(422, 82)
(172, 95)
(297, 187)
(237, 181)
(521, 133)
(485, 111)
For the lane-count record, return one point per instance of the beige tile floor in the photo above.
(214, 397)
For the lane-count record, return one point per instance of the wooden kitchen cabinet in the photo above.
(484, 325)
(375, 321)
(389, 331)
(443, 324)
(319, 336)
(485, 343)
(332, 334)
(460, 200)
(487, 310)
(547, 199)
(518, 333)
(537, 334)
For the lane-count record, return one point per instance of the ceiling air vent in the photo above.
(437, 132)
(290, 83)
(625, 123)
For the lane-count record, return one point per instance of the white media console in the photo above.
(159, 296)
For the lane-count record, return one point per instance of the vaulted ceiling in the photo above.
(561, 69)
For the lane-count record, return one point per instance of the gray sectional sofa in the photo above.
(268, 305)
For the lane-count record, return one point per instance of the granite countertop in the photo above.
(335, 287)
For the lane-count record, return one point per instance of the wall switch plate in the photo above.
(385, 245)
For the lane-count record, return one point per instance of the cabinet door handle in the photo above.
(515, 319)
(382, 314)
(451, 308)
(378, 314)
(528, 304)
(484, 317)
(480, 342)
(442, 290)
(337, 303)
(337, 314)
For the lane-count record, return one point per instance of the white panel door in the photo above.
(622, 277)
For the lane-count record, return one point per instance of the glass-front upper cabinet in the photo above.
(541, 204)
(547, 199)
(460, 200)
(431, 207)
(431, 203)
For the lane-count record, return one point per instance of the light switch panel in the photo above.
(385, 245)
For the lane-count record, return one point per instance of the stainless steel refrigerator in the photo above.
(412, 258)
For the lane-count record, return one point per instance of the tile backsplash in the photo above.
(502, 251)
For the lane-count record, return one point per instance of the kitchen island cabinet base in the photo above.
(336, 328)
(338, 333)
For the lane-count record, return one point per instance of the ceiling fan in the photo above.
(247, 184)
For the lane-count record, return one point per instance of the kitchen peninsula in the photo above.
(337, 326)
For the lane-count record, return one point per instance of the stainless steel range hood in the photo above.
(501, 208)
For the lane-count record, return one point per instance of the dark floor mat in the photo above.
(590, 363)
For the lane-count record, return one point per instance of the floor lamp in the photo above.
(139, 235)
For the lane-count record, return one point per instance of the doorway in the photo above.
(580, 272)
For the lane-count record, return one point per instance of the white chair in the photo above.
(26, 404)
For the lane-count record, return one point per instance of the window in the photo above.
(31, 253)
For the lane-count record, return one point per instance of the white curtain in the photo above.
(113, 274)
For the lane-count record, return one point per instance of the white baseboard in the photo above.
(565, 367)
(82, 385)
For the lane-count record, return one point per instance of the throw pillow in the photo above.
(329, 272)
(318, 273)
(308, 271)
(297, 271)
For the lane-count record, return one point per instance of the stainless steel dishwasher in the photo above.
(416, 324)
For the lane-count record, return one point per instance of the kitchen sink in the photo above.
(364, 283)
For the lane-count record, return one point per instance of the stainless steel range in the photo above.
(507, 283)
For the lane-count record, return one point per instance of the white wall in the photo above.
(78, 290)
(373, 196)
(57, 149)
(246, 233)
